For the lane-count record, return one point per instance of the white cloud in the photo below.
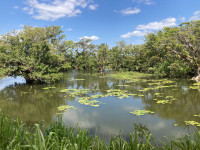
(93, 38)
(69, 29)
(196, 16)
(158, 25)
(142, 30)
(21, 25)
(183, 19)
(147, 2)
(134, 33)
(16, 7)
(55, 9)
(29, 10)
(130, 11)
(93, 7)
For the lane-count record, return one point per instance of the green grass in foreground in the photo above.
(15, 135)
(130, 75)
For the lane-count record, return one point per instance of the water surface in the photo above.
(33, 103)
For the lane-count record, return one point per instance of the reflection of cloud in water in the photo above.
(8, 81)
(158, 126)
(110, 130)
(131, 108)
(89, 121)
(73, 117)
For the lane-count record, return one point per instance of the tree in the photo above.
(85, 54)
(34, 53)
(116, 55)
(102, 56)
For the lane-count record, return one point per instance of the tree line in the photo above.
(42, 54)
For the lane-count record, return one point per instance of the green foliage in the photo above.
(102, 56)
(16, 135)
(38, 54)
(174, 52)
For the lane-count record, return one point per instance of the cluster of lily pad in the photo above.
(75, 92)
(158, 84)
(66, 108)
(193, 123)
(47, 88)
(118, 93)
(167, 100)
(195, 86)
(82, 97)
(141, 112)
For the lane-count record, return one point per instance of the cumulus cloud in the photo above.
(130, 11)
(93, 37)
(30, 11)
(93, 7)
(134, 33)
(69, 29)
(55, 9)
(147, 2)
(196, 16)
(183, 19)
(158, 24)
(143, 29)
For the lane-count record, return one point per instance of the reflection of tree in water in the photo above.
(91, 81)
(30, 103)
(183, 109)
(42, 104)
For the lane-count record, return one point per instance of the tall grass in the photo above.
(15, 135)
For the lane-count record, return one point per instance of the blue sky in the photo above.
(103, 21)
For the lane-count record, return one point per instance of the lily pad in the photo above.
(141, 112)
(47, 88)
(66, 108)
(193, 123)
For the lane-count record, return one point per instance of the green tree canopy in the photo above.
(35, 53)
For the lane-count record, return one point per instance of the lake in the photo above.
(103, 105)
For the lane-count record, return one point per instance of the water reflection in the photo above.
(11, 81)
(32, 103)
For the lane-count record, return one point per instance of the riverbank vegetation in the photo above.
(41, 54)
(16, 135)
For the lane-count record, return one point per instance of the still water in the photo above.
(33, 103)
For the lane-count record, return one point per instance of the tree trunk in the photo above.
(197, 78)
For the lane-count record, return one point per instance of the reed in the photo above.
(14, 135)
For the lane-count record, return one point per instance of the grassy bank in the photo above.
(130, 75)
(16, 135)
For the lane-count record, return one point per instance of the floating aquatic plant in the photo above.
(170, 98)
(193, 123)
(141, 112)
(75, 92)
(123, 85)
(163, 102)
(47, 88)
(66, 108)
(88, 101)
